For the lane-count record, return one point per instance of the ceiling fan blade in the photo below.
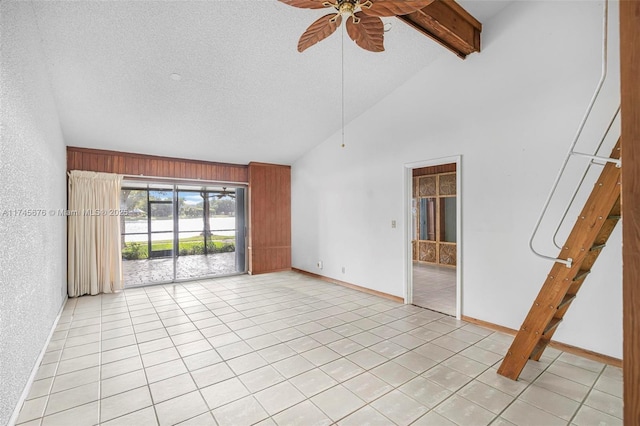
(368, 33)
(319, 30)
(393, 7)
(305, 4)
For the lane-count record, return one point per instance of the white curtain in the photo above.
(94, 254)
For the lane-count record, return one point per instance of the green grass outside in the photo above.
(186, 246)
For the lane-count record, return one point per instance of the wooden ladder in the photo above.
(584, 244)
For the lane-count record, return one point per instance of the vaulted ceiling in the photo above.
(216, 80)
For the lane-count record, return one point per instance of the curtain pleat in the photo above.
(94, 252)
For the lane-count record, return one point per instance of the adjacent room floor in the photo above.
(288, 349)
(434, 287)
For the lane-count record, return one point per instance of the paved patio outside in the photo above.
(145, 271)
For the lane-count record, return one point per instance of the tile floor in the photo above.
(288, 349)
(434, 287)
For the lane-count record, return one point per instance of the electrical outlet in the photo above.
(393, 224)
(344, 270)
(319, 264)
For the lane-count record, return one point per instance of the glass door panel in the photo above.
(181, 232)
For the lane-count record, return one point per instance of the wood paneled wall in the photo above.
(269, 218)
(124, 163)
(630, 140)
(433, 170)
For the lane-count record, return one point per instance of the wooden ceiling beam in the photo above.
(446, 22)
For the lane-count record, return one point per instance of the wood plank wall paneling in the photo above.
(130, 164)
(269, 218)
(630, 107)
(432, 170)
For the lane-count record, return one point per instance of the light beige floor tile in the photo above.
(462, 411)
(84, 415)
(342, 369)
(398, 407)
(609, 385)
(605, 402)
(393, 373)
(122, 366)
(433, 419)
(246, 363)
(293, 366)
(320, 356)
(447, 377)
(508, 386)
(40, 388)
(180, 409)
(576, 374)
(415, 362)
(345, 346)
(155, 345)
(205, 419)
(434, 352)
(165, 370)
(261, 378)
(122, 383)
(119, 354)
(80, 363)
(486, 396)
(388, 349)
(279, 397)
(202, 359)
(172, 387)
(365, 416)
(523, 414)
(562, 386)
(588, 416)
(77, 378)
(233, 350)
(367, 386)
(245, 411)
(483, 356)
(337, 402)
(550, 402)
(146, 416)
(304, 413)
(366, 358)
(125, 403)
(32, 409)
(426, 392)
(224, 392)
(72, 398)
(160, 357)
(313, 382)
(276, 353)
(192, 348)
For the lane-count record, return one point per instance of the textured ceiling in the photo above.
(246, 94)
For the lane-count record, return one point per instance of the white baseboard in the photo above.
(34, 371)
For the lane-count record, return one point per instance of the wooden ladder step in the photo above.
(614, 217)
(597, 247)
(552, 325)
(566, 300)
(580, 275)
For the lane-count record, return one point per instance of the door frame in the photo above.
(408, 232)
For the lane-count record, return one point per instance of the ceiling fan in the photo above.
(363, 22)
(224, 193)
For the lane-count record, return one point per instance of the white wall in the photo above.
(32, 176)
(511, 112)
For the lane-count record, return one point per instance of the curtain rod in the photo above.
(164, 179)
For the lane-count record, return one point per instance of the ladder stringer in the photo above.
(591, 230)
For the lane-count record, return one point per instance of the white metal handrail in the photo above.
(593, 162)
(603, 75)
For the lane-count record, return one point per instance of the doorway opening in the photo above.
(181, 232)
(433, 235)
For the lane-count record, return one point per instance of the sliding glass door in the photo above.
(181, 232)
